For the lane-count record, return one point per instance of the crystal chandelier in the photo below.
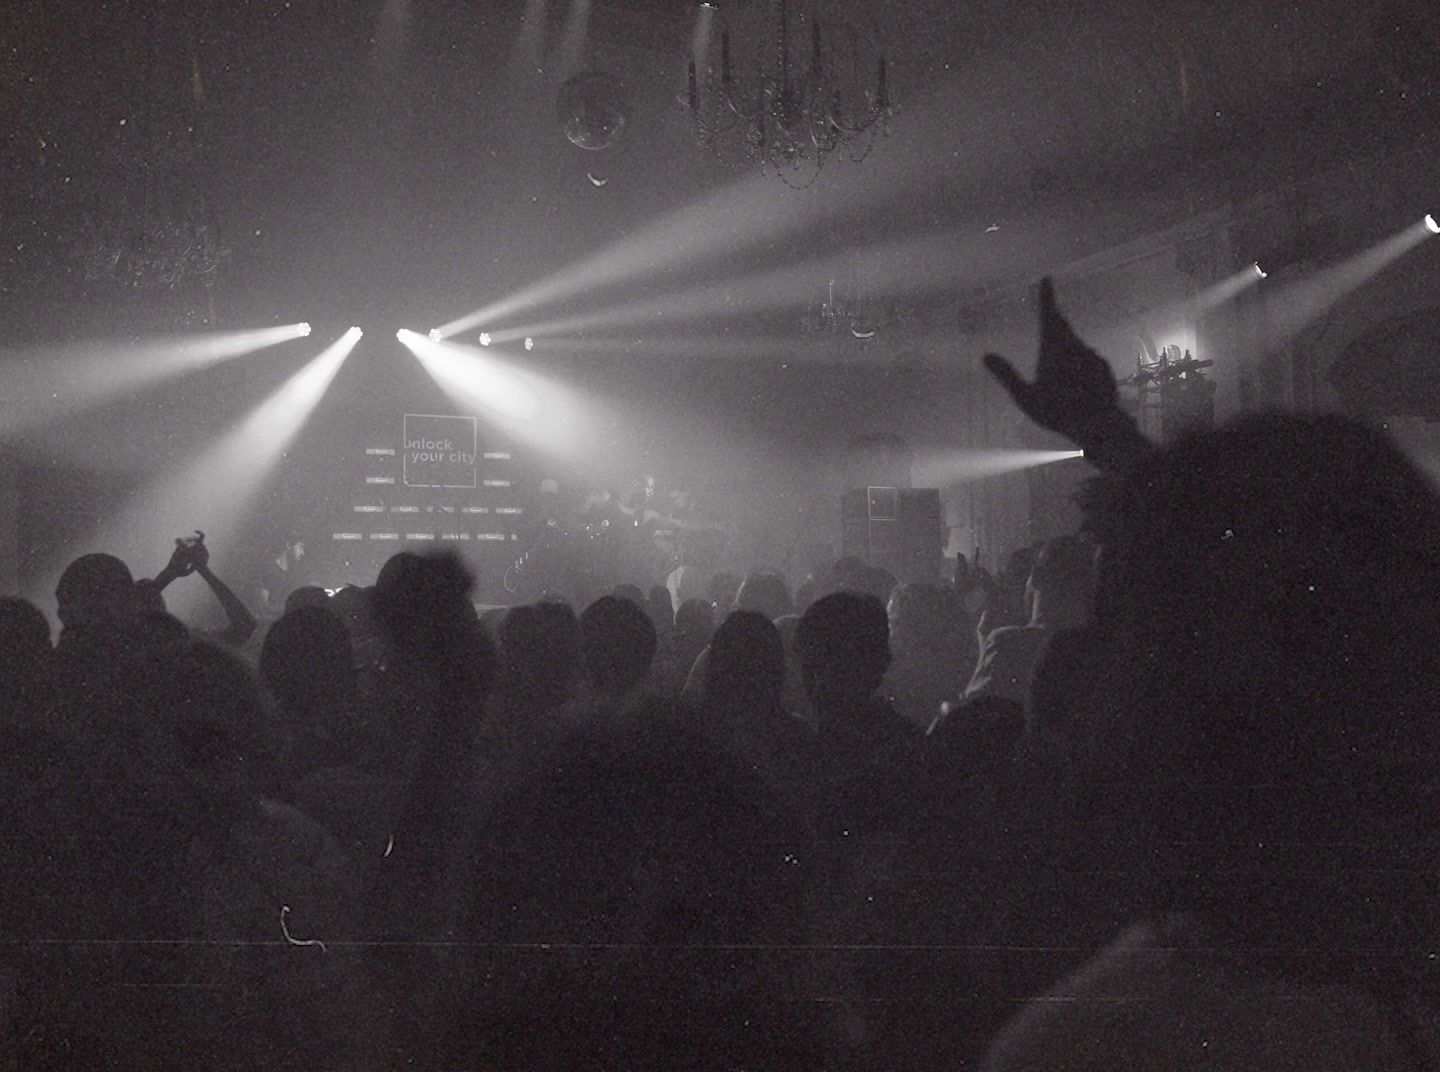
(795, 110)
(851, 314)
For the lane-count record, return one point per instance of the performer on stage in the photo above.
(555, 559)
(668, 531)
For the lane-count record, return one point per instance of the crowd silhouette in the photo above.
(1161, 795)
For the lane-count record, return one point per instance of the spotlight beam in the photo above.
(43, 385)
(573, 38)
(949, 122)
(1305, 300)
(947, 468)
(213, 490)
(479, 379)
(910, 266)
(1217, 294)
(533, 409)
(715, 346)
(525, 56)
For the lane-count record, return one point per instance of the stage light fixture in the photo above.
(436, 335)
(401, 334)
(950, 468)
(39, 386)
(484, 338)
(473, 378)
(1431, 225)
(1259, 271)
(356, 332)
(529, 343)
(218, 482)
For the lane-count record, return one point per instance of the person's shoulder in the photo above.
(892, 731)
(1013, 635)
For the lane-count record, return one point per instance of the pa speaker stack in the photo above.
(897, 529)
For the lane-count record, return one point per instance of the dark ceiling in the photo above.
(388, 158)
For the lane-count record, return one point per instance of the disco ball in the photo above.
(592, 110)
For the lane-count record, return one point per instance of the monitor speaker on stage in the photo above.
(898, 529)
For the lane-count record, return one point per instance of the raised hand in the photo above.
(1073, 387)
(199, 553)
(182, 562)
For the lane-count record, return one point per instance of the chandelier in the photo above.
(795, 110)
(849, 314)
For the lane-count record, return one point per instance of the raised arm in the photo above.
(181, 564)
(242, 623)
(1073, 392)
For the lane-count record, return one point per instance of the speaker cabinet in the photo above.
(901, 530)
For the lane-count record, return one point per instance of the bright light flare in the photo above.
(435, 335)
(42, 385)
(535, 410)
(940, 469)
(1229, 288)
(477, 380)
(529, 343)
(484, 338)
(213, 489)
(1305, 300)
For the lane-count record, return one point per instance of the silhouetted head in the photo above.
(305, 662)
(843, 642)
(352, 606)
(422, 602)
(925, 620)
(1063, 575)
(95, 589)
(1018, 565)
(661, 607)
(637, 841)
(540, 653)
(765, 593)
(307, 595)
(630, 593)
(618, 642)
(24, 632)
(746, 669)
(695, 620)
(202, 707)
(1270, 594)
(846, 574)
